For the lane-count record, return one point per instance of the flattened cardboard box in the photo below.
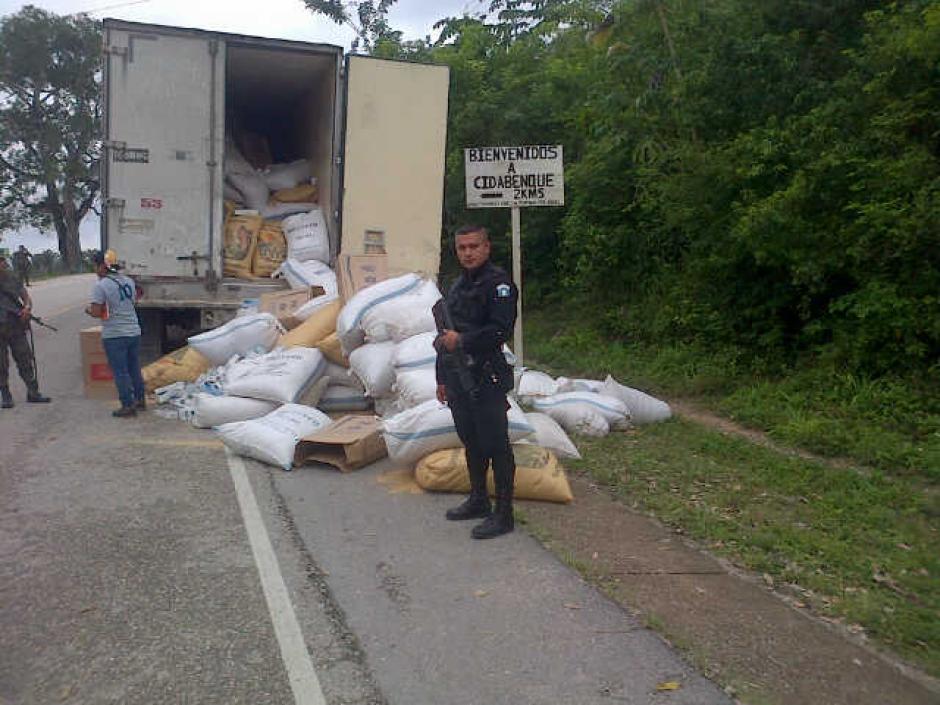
(282, 304)
(348, 444)
(356, 272)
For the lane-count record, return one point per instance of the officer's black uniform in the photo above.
(482, 306)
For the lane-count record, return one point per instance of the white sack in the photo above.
(416, 352)
(306, 236)
(584, 412)
(212, 410)
(339, 375)
(252, 188)
(301, 275)
(416, 432)
(234, 162)
(372, 364)
(580, 385)
(340, 398)
(643, 408)
(311, 307)
(230, 193)
(280, 375)
(273, 437)
(416, 386)
(536, 384)
(348, 325)
(403, 316)
(257, 332)
(548, 434)
(274, 211)
(282, 176)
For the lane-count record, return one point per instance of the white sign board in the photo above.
(505, 177)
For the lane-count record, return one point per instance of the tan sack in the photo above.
(539, 475)
(305, 193)
(229, 207)
(270, 250)
(320, 325)
(332, 350)
(241, 236)
(183, 365)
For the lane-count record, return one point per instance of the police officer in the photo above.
(482, 308)
(15, 309)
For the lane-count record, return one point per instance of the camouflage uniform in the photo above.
(13, 334)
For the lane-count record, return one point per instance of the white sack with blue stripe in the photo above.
(307, 237)
(416, 432)
(643, 408)
(402, 317)
(584, 412)
(416, 386)
(372, 365)
(272, 438)
(254, 333)
(349, 328)
(416, 352)
(282, 375)
(301, 275)
(214, 410)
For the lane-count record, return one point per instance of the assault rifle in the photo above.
(456, 360)
(15, 308)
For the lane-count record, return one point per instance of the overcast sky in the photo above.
(282, 19)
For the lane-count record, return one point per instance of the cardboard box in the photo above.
(96, 372)
(282, 304)
(348, 443)
(356, 272)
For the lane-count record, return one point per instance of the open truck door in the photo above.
(393, 168)
(164, 123)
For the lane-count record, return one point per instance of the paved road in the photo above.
(139, 563)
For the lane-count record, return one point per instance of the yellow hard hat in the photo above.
(110, 258)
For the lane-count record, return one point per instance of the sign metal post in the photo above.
(515, 177)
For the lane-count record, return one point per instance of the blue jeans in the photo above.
(124, 358)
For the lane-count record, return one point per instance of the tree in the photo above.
(49, 118)
(370, 22)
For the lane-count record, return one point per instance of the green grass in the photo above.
(859, 544)
(859, 548)
(889, 424)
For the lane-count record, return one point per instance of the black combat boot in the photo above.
(477, 505)
(500, 521)
(6, 399)
(33, 395)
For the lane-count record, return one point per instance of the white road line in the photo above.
(300, 671)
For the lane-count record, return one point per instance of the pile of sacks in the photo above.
(272, 218)
(262, 389)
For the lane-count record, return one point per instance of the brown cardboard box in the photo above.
(356, 272)
(348, 443)
(96, 372)
(282, 304)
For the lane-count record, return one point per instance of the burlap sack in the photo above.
(305, 193)
(270, 250)
(539, 475)
(312, 331)
(183, 365)
(332, 350)
(241, 236)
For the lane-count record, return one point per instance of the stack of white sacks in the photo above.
(261, 398)
(303, 224)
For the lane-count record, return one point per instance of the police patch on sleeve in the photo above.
(503, 291)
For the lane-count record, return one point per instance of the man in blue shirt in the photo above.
(112, 300)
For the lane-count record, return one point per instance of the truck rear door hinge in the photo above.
(115, 50)
(114, 144)
(114, 202)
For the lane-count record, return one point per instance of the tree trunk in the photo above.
(73, 246)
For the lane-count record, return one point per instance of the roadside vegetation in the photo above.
(856, 542)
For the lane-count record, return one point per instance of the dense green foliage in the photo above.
(762, 178)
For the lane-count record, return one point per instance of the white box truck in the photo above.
(375, 131)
